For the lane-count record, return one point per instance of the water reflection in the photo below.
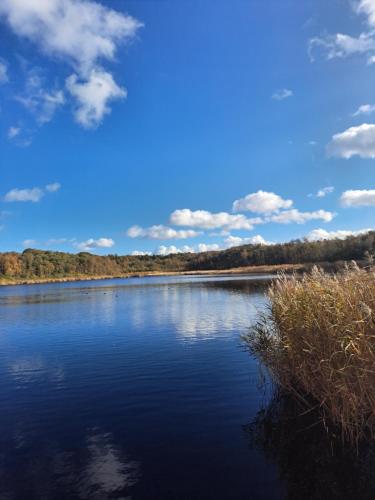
(28, 369)
(107, 471)
(202, 310)
(95, 469)
(313, 463)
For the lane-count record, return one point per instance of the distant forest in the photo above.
(32, 264)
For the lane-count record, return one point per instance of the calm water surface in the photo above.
(131, 389)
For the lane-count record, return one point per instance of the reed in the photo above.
(318, 339)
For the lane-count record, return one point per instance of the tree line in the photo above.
(48, 264)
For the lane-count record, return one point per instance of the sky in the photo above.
(163, 126)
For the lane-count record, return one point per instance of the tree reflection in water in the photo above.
(312, 460)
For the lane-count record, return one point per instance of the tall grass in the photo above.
(318, 339)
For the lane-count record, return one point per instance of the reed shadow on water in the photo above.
(313, 461)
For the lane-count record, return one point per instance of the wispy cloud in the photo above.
(3, 72)
(40, 102)
(322, 193)
(13, 132)
(342, 45)
(282, 94)
(365, 109)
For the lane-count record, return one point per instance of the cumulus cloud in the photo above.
(92, 244)
(140, 253)
(282, 94)
(235, 241)
(160, 232)
(358, 198)
(33, 194)
(83, 34)
(207, 220)
(30, 194)
(93, 95)
(355, 141)
(172, 249)
(262, 202)
(322, 234)
(297, 217)
(365, 109)
(202, 247)
(3, 72)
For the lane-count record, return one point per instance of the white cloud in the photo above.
(139, 253)
(13, 132)
(168, 250)
(82, 33)
(282, 94)
(297, 217)
(342, 45)
(91, 244)
(3, 72)
(52, 188)
(201, 247)
(30, 194)
(358, 198)
(33, 194)
(355, 141)
(93, 96)
(160, 232)
(208, 220)
(262, 202)
(207, 247)
(367, 7)
(365, 109)
(322, 234)
(235, 241)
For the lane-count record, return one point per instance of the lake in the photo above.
(131, 389)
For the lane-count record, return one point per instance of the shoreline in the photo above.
(270, 269)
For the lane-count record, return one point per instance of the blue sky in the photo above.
(159, 126)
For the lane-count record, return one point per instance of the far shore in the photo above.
(274, 269)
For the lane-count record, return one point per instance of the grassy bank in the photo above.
(318, 340)
(287, 268)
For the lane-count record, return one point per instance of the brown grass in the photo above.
(318, 339)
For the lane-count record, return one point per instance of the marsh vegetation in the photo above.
(317, 340)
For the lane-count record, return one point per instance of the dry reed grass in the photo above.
(318, 339)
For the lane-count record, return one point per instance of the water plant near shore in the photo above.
(318, 339)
